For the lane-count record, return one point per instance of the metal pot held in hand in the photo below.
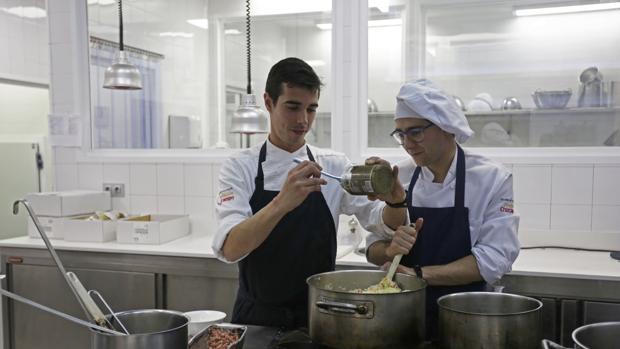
(339, 318)
(602, 335)
(487, 320)
(149, 329)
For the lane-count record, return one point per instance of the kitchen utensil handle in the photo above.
(50, 248)
(118, 321)
(299, 161)
(57, 313)
(547, 344)
(346, 308)
(91, 306)
(393, 266)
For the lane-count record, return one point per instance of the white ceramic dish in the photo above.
(201, 319)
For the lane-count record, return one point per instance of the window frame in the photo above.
(349, 122)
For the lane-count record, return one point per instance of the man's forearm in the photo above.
(394, 217)
(376, 252)
(460, 272)
(246, 236)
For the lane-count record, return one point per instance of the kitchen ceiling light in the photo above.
(26, 11)
(177, 34)
(566, 9)
(202, 23)
(232, 32)
(249, 118)
(122, 75)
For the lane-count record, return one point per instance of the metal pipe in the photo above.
(50, 248)
(58, 313)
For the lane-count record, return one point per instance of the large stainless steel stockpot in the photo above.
(149, 329)
(339, 318)
(602, 335)
(487, 320)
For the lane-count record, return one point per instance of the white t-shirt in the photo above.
(493, 223)
(236, 186)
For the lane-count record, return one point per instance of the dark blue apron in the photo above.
(272, 278)
(444, 238)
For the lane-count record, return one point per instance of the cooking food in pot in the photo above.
(384, 286)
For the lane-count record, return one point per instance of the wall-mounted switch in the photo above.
(117, 190)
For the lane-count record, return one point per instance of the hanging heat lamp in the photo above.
(249, 118)
(122, 75)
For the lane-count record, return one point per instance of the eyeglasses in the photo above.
(414, 134)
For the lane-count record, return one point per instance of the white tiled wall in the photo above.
(548, 197)
(568, 197)
(150, 187)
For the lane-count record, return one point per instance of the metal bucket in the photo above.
(339, 318)
(602, 335)
(487, 320)
(149, 329)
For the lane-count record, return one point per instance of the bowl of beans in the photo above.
(219, 336)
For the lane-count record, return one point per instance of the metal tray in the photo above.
(203, 336)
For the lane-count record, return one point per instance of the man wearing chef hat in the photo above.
(462, 201)
(279, 219)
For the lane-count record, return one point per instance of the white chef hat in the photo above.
(423, 99)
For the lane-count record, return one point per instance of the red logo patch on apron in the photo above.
(507, 206)
(225, 195)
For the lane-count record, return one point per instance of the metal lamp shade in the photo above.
(122, 75)
(249, 118)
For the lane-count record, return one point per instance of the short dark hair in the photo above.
(294, 72)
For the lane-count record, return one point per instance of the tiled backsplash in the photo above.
(150, 188)
(568, 197)
(548, 197)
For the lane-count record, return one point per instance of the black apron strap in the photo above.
(272, 278)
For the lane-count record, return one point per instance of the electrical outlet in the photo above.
(117, 190)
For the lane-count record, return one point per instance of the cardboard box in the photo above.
(152, 229)
(69, 203)
(83, 230)
(53, 227)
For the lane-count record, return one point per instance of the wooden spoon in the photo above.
(393, 266)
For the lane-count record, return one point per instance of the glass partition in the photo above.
(525, 80)
(187, 92)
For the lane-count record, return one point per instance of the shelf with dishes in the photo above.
(538, 111)
(527, 111)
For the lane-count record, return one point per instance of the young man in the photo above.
(469, 231)
(278, 219)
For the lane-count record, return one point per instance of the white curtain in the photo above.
(125, 118)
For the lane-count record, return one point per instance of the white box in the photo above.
(69, 203)
(152, 229)
(80, 229)
(52, 227)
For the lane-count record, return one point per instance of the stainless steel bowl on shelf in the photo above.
(551, 99)
(511, 103)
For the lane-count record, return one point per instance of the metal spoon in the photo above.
(112, 313)
(338, 178)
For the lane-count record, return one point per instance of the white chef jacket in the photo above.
(236, 186)
(493, 223)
